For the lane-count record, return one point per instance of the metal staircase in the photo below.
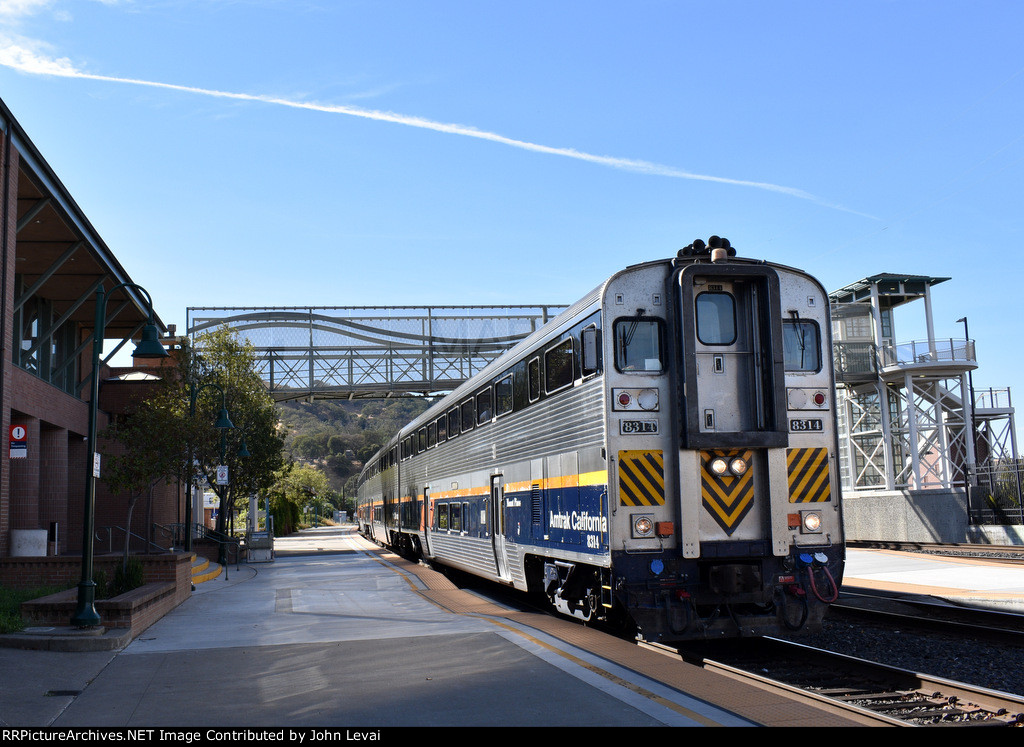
(909, 416)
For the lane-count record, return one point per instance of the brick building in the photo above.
(52, 261)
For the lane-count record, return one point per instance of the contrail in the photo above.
(23, 60)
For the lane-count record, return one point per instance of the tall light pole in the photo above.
(970, 385)
(224, 424)
(85, 615)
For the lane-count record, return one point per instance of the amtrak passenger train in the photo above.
(663, 453)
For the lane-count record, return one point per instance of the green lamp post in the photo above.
(85, 615)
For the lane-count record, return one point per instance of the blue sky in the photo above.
(334, 152)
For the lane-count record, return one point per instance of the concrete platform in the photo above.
(349, 638)
(965, 581)
(332, 633)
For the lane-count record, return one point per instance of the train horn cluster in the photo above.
(699, 249)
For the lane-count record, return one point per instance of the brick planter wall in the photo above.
(167, 577)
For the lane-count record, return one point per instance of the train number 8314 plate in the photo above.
(806, 424)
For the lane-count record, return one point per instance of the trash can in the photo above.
(259, 547)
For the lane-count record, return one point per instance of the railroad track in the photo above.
(925, 613)
(1009, 554)
(891, 694)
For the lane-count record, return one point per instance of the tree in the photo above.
(223, 374)
(151, 439)
(298, 487)
(177, 425)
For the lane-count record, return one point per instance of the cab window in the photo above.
(638, 345)
(801, 342)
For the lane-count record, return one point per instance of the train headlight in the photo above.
(738, 466)
(648, 399)
(719, 466)
(810, 522)
(643, 525)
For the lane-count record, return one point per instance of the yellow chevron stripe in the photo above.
(641, 478)
(808, 475)
(727, 498)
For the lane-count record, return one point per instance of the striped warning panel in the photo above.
(727, 497)
(641, 478)
(808, 475)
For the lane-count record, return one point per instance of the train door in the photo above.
(734, 406)
(496, 525)
(732, 357)
(427, 515)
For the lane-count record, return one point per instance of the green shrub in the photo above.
(127, 577)
(10, 605)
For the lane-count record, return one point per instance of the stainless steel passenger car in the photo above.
(663, 452)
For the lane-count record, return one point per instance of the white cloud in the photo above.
(28, 61)
(20, 8)
(22, 58)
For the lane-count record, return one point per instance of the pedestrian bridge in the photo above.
(371, 351)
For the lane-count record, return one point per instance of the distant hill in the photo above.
(340, 435)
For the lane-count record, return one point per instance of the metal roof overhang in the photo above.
(893, 289)
(59, 254)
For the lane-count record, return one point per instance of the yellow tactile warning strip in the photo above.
(759, 705)
(641, 478)
(808, 475)
(727, 497)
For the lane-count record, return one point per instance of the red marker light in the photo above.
(624, 399)
(819, 398)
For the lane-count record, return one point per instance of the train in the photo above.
(662, 455)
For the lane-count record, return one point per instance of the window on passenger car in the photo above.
(441, 516)
(519, 389)
(468, 415)
(590, 350)
(442, 429)
(716, 318)
(421, 437)
(558, 366)
(503, 395)
(638, 344)
(431, 435)
(456, 521)
(801, 342)
(484, 407)
(453, 422)
(534, 379)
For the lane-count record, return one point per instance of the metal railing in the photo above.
(108, 533)
(925, 352)
(855, 360)
(201, 532)
(995, 493)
